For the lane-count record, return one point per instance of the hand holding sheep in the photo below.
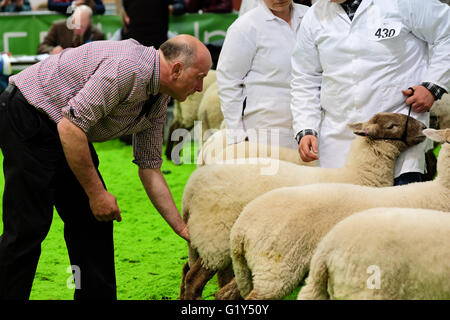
(421, 99)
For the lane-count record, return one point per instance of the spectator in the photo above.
(177, 7)
(357, 58)
(14, 5)
(71, 32)
(254, 72)
(216, 6)
(68, 6)
(149, 21)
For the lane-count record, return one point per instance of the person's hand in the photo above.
(308, 148)
(4, 3)
(56, 50)
(421, 100)
(104, 207)
(184, 232)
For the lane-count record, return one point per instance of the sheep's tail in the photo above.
(242, 272)
(316, 287)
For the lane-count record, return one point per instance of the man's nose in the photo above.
(200, 86)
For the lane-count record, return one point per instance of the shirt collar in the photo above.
(268, 15)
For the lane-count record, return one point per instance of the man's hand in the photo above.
(76, 149)
(56, 50)
(4, 3)
(421, 101)
(308, 148)
(104, 207)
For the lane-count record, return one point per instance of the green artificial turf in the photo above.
(149, 256)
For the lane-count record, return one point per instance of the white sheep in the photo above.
(215, 194)
(209, 111)
(441, 109)
(216, 150)
(273, 239)
(383, 253)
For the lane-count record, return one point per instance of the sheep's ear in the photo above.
(357, 128)
(435, 135)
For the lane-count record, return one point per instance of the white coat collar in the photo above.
(297, 14)
(341, 12)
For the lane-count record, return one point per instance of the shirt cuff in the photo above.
(305, 132)
(435, 90)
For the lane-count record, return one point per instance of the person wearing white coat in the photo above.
(350, 64)
(254, 73)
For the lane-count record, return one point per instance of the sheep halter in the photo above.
(403, 138)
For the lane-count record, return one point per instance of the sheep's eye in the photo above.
(391, 125)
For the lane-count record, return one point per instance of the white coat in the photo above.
(352, 70)
(255, 64)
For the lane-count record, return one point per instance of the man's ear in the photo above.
(177, 69)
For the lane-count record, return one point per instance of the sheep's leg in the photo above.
(185, 270)
(253, 295)
(229, 292)
(195, 281)
(224, 276)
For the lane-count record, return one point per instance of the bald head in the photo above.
(81, 19)
(186, 49)
(184, 62)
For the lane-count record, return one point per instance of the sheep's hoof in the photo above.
(229, 292)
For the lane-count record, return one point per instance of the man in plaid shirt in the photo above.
(49, 115)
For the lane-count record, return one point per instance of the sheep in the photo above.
(383, 253)
(216, 150)
(209, 111)
(186, 112)
(273, 239)
(441, 109)
(215, 194)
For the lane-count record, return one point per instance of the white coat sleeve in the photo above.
(430, 21)
(234, 63)
(306, 80)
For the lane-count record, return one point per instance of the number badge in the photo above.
(387, 30)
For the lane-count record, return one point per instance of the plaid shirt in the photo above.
(350, 7)
(102, 87)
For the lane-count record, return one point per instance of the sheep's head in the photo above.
(441, 136)
(386, 125)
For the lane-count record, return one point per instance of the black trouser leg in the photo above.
(27, 199)
(37, 177)
(89, 242)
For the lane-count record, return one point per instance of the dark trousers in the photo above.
(407, 178)
(38, 178)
